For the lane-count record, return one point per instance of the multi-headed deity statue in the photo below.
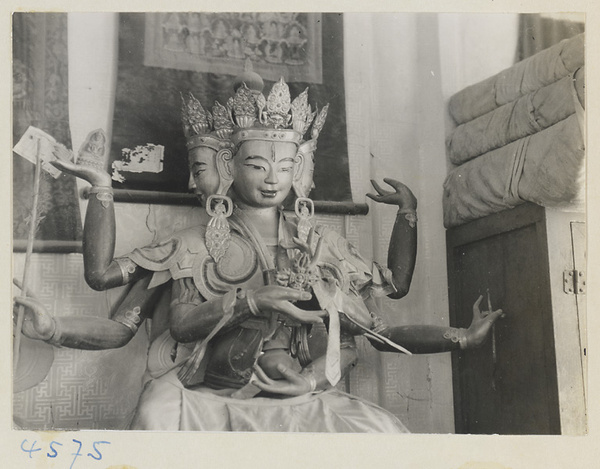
(255, 311)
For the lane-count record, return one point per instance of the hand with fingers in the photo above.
(401, 196)
(292, 383)
(278, 299)
(481, 325)
(92, 159)
(38, 323)
(94, 176)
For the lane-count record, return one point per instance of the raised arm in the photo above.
(101, 270)
(402, 251)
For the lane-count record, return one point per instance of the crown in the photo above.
(201, 128)
(275, 118)
(317, 125)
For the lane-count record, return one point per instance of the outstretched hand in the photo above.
(37, 323)
(401, 196)
(292, 384)
(278, 299)
(481, 324)
(94, 176)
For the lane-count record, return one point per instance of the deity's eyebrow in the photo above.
(262, 158)
(256, 157)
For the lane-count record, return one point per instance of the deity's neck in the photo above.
(264, 220)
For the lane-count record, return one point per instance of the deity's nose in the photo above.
(271, 176)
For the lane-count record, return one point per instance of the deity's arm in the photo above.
(193, 318)
(421, 339)
(90, 333)
(402, 254)
(101, 270)
(87, 332)
(402, 251)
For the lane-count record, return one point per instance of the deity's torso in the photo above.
(249, 263)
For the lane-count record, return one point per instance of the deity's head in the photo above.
(263, 172)
(206, 139)
(269, 154)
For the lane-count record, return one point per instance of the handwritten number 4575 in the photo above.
(55, 448)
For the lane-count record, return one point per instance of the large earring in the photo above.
(218, 233)
(305, 211)
(219, 207)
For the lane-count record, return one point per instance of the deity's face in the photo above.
(263, 172)
(204, 171)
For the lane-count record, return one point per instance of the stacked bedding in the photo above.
(519, 137)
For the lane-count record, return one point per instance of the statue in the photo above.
(258, 310)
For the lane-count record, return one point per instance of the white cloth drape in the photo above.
(399, 71)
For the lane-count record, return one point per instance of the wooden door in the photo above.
(509, 386)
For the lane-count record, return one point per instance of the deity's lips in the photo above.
(269, 194)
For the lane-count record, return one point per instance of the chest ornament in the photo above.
(237, 267)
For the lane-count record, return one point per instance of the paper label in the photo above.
(143, 158)
(27, 147)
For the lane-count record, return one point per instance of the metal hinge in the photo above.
(574, 282)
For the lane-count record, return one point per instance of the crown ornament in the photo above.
(243, 108)
(278, 106)
(301, 113)
(303, 178)
(201, 128)
(222, 122)
(274, 118)
(319, 123)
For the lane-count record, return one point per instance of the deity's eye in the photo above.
(255, 166)
(197, 168)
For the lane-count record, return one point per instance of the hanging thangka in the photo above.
(279, 44)
(148, 146)
(40, 99)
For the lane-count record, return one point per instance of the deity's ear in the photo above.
(299, 163)
(224, 160)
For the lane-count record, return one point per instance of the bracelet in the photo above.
(252, 303)
(127, 267)
(56, 338)
(131, 319)
(463, 340)
(410, 215)
(457, 336)
(311, 381)
(99, 189)
(103, 193)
